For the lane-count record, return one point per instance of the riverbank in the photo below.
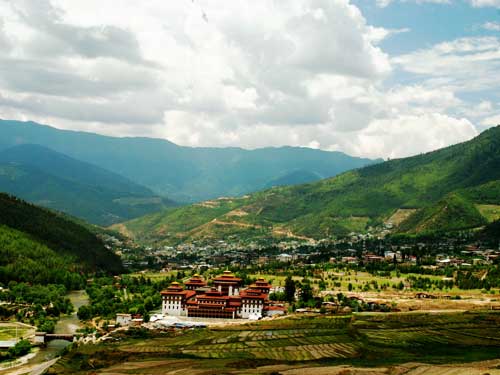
(44, 357)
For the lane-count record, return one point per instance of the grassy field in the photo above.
(8, 331)
(367, 340)
(359, 279)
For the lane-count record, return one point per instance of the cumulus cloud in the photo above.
(239, 73)
(410, 134)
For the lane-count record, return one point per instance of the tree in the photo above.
(84, 313)
(21, 348)
(306, 292)
(289, 289)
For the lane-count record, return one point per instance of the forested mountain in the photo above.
(40, 246)
(54, 180)
(294, 178)
(182, 173)
(452, 188)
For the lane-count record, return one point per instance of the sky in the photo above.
(372, 78)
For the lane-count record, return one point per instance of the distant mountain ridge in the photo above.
(457, 187)
(295, 177)
(184, 174)
(51, 179)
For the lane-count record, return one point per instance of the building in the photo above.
(214, 304)
(285, 258)
(226, 300)
(123, 319)
(196, 282)
(174, 299)
(228, 284)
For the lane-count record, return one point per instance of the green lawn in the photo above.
(8, 331)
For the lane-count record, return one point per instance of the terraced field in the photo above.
(366, 340)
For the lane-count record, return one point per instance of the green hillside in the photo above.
(184, 174)
(54, 180)
(451, 213)
(351, 201)
(23, 258)
(296, 177)
(35, 239)
(491, 234)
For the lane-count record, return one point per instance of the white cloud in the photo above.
(410, 135)
(485, 3)
(385, 3)
(239, 73)
(491, 121)
(465, 64)
(492, 26)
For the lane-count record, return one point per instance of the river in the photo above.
(45, 356)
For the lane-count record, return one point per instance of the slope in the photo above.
(352, 201)
(451, 213)
(23, 258)
(76, 244)
(54, 180)
(295, 177)
(182, 173)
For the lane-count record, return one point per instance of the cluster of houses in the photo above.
(472, 255)
(226, 299)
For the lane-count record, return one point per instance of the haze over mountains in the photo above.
(185, 174)
(449, 189)
(54, 180)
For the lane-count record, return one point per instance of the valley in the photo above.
(388, 269)
(263, 187)
(452, 189)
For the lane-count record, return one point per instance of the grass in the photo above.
(363, 339)
(490, 211)
(8, 331)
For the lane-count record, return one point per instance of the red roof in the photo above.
(274, 308)
(186, 293)
(227, 276)
(253, 294)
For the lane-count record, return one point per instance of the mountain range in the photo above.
(51, 179)
(453, 188)
(184, 174)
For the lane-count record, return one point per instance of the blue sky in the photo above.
(374, 78)
(428, 23)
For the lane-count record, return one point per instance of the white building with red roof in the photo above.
(225, 300)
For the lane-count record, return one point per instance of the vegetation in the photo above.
(24, 259)
(128, 294)
(36, 305)
(443, 186)
(370, 340)
(21, 348)
(44, 234)
(451, 213)
(59, 182)
(491, 233)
